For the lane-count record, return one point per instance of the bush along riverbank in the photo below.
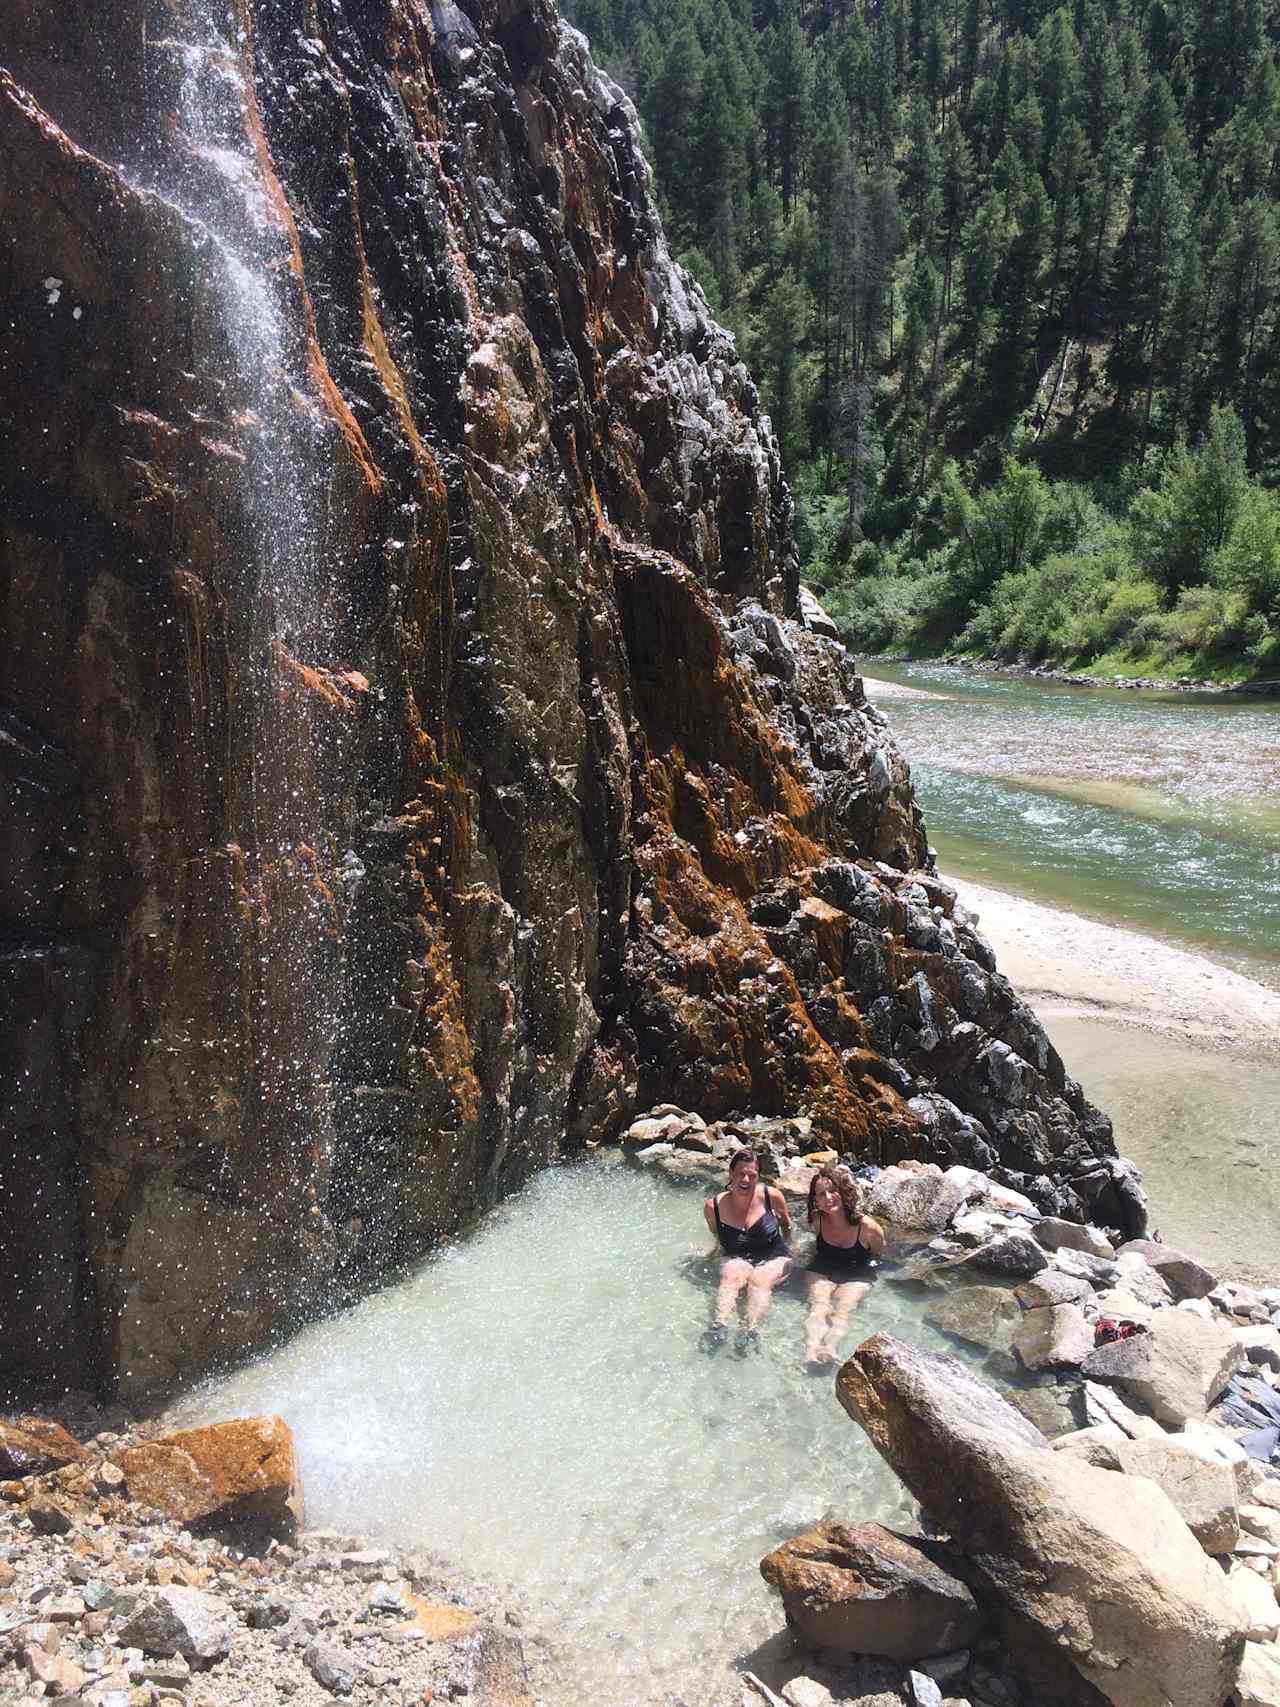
(1262, 688)
(1176, 576)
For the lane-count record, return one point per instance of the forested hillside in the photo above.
(1009, 277)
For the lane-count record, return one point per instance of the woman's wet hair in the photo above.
(746, 1154)
(844, 1183)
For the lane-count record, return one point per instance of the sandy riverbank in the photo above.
(1072, 967)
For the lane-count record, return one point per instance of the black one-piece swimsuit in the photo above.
(760, 1242)
(840, 1262)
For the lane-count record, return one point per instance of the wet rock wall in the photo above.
(412, 765)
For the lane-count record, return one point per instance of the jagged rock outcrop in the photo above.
(413, 765)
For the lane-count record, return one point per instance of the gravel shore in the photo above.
(1069, 966)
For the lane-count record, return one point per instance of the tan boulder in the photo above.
(1056, 1235)
(1184, 1277)
(921, 1197)
(1258, 1684)
(1262, 1521)
(1256, 1598)
(1051, 1287)
(979, 1315)
(1058, 1337)
(1099, 1563)
(31, 1446)
(1176, 1369)
(864, 1590)
(1201, 1487)
(1095, 1445)
(238, 1471)
(59, 1675)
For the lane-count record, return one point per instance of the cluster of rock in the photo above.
(175, 1572)
(960, 1205)
(1132, 1560)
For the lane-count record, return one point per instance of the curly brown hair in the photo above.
(844, 1183)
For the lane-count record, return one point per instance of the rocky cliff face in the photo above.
(412, 766)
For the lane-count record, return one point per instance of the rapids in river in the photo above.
(533, 1404)
(1158, 811)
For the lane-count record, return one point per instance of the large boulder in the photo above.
(1055, 1235)
(1051, 1286)
(1096, 1445)
(243, 1471)
(1201, 1487)
(862, 1589)
(922, 1199)
(979, 1315)
(1183, 1275)
(1055, 1338)
(1176, 1369)
(1099, 1563)
(1256, 1599)
(1258, 1684)
(1012, 1254)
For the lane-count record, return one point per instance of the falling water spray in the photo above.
(290, 720)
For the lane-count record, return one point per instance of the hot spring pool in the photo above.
(533, 1403)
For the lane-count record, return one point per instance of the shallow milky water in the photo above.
(1202, 1127)
(533, 1405)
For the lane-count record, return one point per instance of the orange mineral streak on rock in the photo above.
(337, 689)
(441, 1623)
(334, 401)
(727, 810)
(237, 1471)
(730, 784)
(740, 1035)
(30, 1445)
(829, 928)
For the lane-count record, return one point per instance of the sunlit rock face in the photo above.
(411, 767)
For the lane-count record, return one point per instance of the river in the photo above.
(1159, 812)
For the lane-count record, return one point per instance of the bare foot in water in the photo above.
(819, 1360)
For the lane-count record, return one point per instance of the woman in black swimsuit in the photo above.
(751, 1225)
(838, 1274)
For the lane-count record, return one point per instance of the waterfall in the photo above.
(290, 719)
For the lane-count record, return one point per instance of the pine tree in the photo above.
(783, 325)
(957, 182)
(671, 115)
(1067, 167)
(1058, 83)
(921, 302)
(788, 104)
(857, 448)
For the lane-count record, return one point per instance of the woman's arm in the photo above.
(709, 1216)
(780, 1209)
(872, 1236)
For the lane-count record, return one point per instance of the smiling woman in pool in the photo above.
(838, 1276)
(751, 1225)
